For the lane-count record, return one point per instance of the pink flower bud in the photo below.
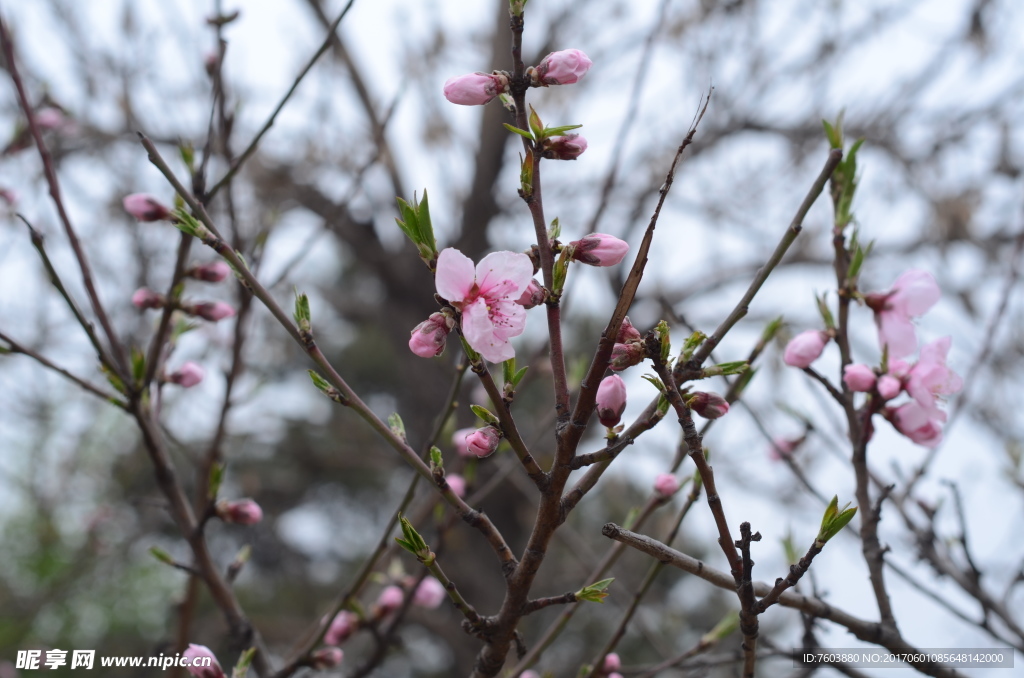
(708, 405)
(343, 625)
(457, 483)
(859, 378)
(599, 249)
(783, 447)
(611, 400)
(562, 68)
(145, 207)
(615, 675)
(429, 594)
(568, 147)
(889, 386)
(144, 299)
(201, 662)
(215, 271)
(459, 442)
(211, 310)
(666, 484)
(241, 512)
(428, 338)
(483, 441)
(187, 376)
(389, 600)
(626, 355)
(529, 673)
(612, 662)
(327, 658)
(804, 348)
(50, 118)
(533, 295)
(913, 421)
(628, 333)
(474, 89)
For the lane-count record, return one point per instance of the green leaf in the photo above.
(242, 667)
(436, 460)
(655, 382)
(726, 627)
(691, 344)
(771, 329)
(216, 478)
(396, 425)
(825, 311)
(518, 376)
(188, 154)
(521, 132)
(596, 592)
(555, 231)
(535, 124)
(526, 174)
(484, 414)
(425, 224)
(661, 329)
(301, 314)
(508, 370)
(834, 136)
(161, 555)
(138, 365)
(558, 131)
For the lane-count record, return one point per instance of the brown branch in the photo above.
(15, 347)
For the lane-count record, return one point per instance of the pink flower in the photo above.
(611, 662)
(599, 249)
(211, 310)
(202, 662)
(145, 298)
(804, 348)
(708, 405)
(389, 600)
(343, 625)
(628, 333)
(427, 339)
(611, 400)
(568, 147)
(859, 378)
(889, 386)
(666, 484)
(930, 378)
(460, 443)
(916, 423)
(429, 594)
(483, 441)
(487, 298)
(783, 447)
(529, 673)
(327, 658)
(913, 293)
(145, 207)
(457, 483)
(50, 118)
(187, 376)
(626, 355)
(474, 89)
(562, 68)
(533, 295)
(215, 271)
(241, 512)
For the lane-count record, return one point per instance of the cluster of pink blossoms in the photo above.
(925, 381)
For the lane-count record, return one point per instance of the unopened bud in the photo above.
(427, 339)
(211, 310)
(145, 207)
(145, 298)
(567, 147)
(187, 376)
(241, 512)
(215, 271)
(626, 355)
(327, 658)
(599, 249)
(475, 89)
(708, 405)
(564, 67)
(666, 484)
(533, 295)
(611, 400)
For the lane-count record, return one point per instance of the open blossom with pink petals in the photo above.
(930, 378)
(475, 89)
(145, 207)
(913, 293)
(805, 348)
(611, 400)
(187, 376)
(599, 249)
(915, 422)
(564, 67)
(459, 442)
(202, 663)
(342, 627)
(666, 484)
(487, 296)
(429, 594)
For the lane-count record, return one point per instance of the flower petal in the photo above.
(916, 291)
(481, 335)
(896, 330)
(503, 274)
(455, 275)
